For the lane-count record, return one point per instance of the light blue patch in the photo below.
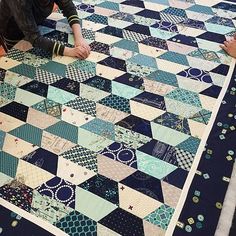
(190, 145)
(167, 135)
(201, 9)
(162, 34)
(153, 166)
(219, 29)
(144, 60)
(162, 2)
(59, 95)
(109, 5)
(124, 90)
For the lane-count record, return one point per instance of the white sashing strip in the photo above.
(197, 158)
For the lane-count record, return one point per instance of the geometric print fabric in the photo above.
(134, 44)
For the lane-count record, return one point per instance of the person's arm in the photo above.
(23, 15)
(69, 11)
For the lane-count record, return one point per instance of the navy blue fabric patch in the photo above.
(221, 69)
(160, 150)
(146, 184)
(214, 37)
(40, 53)
(226, 6)
(58, 36)
(43, 159)
(183, 39)
(49, 23)
(121, 221)
(112, 31)
(155, 42)
(68, 85)
(99, 83)
(167, 26)
(205, 219)
(134, 3)
(61, 190)
(17, 110)
(121, 153)
(103, 187)
(194, 23)
(100, 47)
(36, 87)
(213, 91)
(131, 80)
(177, 178)
(114, 63)
(139, 28)
(23, 226)
(136, 124)
(149, 14)
(151, 99)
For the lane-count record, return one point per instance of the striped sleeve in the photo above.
(69, 11)
(49, 45)
(58, 49)
(73, 19)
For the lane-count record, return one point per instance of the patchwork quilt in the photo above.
(120, 143)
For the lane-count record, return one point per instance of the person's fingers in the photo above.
(226, 43)
(234, 36)
(224, 47)
(82, 52)
(79, 54)
(85, 51)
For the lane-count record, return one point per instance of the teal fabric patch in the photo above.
(109, 5)
(76, 222)
(100, 127)
(175, 57)
(190, 145)
(2, 138)
(185, 96)
(25, 70)
(8, 164)
(64, 130)
(164, 77)
(49, 107)
(144, 60)
(28, 133)
(98, 19)
(116, 102)
(55, 68)
(82, 156)
(127, 44)
(161, 216)
(201, 9)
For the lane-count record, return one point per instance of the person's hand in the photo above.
(230, 46)
(82, 43)
(79, 52)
